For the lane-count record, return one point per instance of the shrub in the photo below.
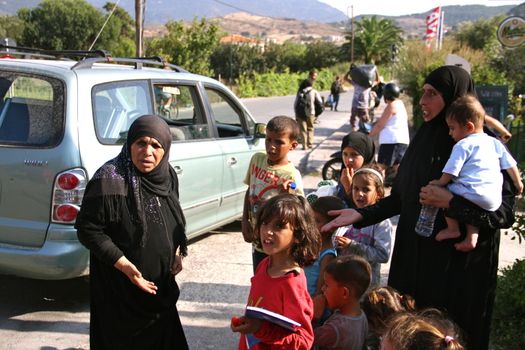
(509, 309)
(279, 84)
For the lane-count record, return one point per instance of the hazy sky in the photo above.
(405, 7)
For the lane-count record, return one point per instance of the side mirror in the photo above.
(260, 131)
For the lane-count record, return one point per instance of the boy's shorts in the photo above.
(391, 153)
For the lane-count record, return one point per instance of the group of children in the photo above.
(328, 282)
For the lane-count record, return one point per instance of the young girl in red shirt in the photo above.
(289, 236)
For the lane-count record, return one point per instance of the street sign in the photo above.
(494, 99)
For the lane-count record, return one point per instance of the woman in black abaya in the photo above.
(435, 273)
(133, 225)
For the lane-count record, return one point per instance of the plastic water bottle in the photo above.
(425, 223)
(291, 187)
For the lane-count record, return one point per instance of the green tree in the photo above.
(283, 57)
(188, 46)
(11, 27)
(373, 40)
(477, 35)
(231, 60)
(60, 25)
(510, 62)
(118, 36)
(321, 54)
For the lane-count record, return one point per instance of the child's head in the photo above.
(281, 137)
(357, 149)
(293, 212)
(383, 302)
(464, 117)
(322, 206)
(367, 186)
(425, 330)
(346, 278)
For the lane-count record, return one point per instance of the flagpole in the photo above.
(433, 28)
(441, 29)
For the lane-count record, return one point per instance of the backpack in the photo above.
(301, 101)
(319, 107)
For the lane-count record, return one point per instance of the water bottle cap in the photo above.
(293, 186)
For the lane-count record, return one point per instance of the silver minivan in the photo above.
(60, 120)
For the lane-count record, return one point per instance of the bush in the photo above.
(279, 84)
(509, 309)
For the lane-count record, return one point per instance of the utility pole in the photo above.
(138, 27)
(351, 19)
(352, 52)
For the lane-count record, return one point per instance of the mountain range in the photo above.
(160, 11)
(289, 17)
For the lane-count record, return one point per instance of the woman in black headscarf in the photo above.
(357, 150)
(132, 223)
(435, 273)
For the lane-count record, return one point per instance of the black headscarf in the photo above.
(430, 149)
(362, 143)
(158, 181)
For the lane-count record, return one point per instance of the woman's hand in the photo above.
(346, 179)
(342, 242)
(177, 265)
(245, 325)
(134, 275)
(435, 196)
(344, 217)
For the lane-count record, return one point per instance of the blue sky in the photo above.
(404, 7)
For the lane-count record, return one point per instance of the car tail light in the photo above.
(68, 191)
(68, 181)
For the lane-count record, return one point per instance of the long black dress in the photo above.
(435, 273)
(124, 213)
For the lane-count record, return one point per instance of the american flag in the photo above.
(432, 25)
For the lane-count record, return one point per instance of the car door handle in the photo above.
(178, 169)
(232, 161)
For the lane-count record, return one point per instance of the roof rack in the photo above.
(27, 52)
(139, 62)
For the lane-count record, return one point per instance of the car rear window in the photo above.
(32, 110)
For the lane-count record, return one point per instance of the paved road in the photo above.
(214, 284)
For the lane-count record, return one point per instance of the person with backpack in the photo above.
(362, 78)
(335, 90)
(307, 106)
